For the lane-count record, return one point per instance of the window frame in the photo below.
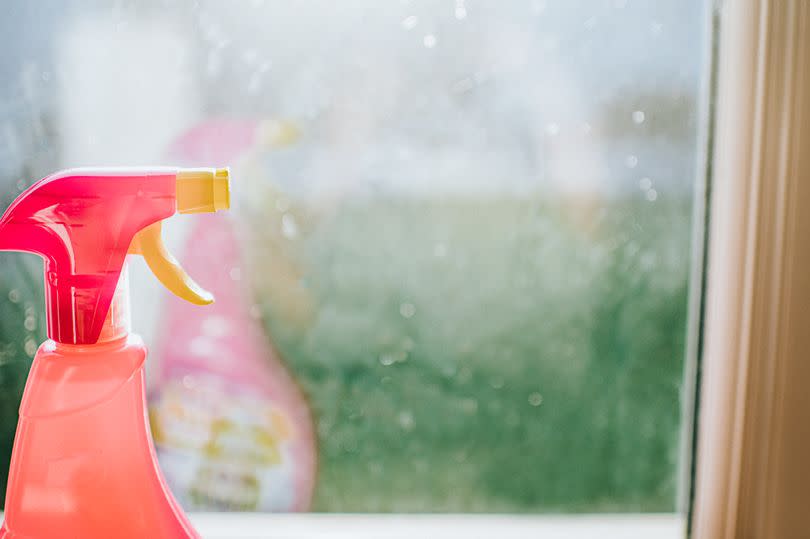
(426, 526)
(752, 469)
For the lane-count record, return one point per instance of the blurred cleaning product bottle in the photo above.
(231, 427)
(83, 463)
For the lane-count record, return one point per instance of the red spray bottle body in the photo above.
(83, 464)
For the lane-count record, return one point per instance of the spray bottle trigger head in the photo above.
(203, 190)
(149, 244)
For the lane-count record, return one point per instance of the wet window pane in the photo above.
(455, 274)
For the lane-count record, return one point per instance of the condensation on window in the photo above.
(463, 228)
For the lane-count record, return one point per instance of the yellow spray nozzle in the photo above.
(149, 244)
(203, 190)
(197, 190)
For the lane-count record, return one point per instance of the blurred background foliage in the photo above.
(493, 354)
(22, 301)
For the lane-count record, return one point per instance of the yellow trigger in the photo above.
(149, 244)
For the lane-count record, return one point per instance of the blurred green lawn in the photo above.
(484, 354)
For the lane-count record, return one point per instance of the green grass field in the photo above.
(493, 354)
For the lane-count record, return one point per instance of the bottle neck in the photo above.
(117, 324)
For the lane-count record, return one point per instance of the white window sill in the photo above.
(324, 526)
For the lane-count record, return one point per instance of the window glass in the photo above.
(454, 277)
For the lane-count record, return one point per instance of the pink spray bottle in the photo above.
(83, 463)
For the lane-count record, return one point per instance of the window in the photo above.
(465, 229)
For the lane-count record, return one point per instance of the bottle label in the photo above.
(223, 448)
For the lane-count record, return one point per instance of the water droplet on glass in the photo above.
(429, 41)
(589, 23)
(216, 326)
(14, 295)
(631, 161)
(288, 226)
(387, 359)
(586, 128)
(656, 27)
(652, 195)
(645, 183)
(535, 399)
(464, 85)
(235, 274)
(324, 429)
(469, 406)
(188, 382)
(552, 129)
(406, 420)
(201, 347)
(30, 323)
(46, 76)
(250, 56)
(497, 383)
(461, 12)
(282, 204)
(407, 310)
(30, 347)
(409, 23)
(20, 184)
(449, 370)
(638, 116)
